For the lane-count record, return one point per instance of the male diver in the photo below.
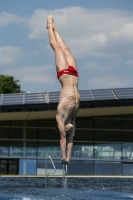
(67, 73)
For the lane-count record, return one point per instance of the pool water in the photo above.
(66, 188)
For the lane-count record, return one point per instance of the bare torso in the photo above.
(69, 92)
(69, 97)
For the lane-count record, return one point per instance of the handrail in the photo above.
(47, 174)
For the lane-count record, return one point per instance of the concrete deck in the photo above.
(66, 176)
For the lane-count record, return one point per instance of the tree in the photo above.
(8, 84)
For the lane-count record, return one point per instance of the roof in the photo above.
(49, 100)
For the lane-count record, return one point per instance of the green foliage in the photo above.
(9, 85)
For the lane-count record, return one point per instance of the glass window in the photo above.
(12, 166)
(107, 135)
(4, 133)
(31, 133)
(16, 133)
(128, 169)
(32, 123)
(4, 148)
(3, 166)
(107, 151)
(48, 134)
(31, 149)
(84, 135)
(41, 164)
(27, 166)
(17, 124)
(127, 151)
(127, 136)
(84, 122)
(5, 123)
(80, 167)
(31, 129)
(16, 148)
(82, 151)
(42, 133)
(107, 168)
(127, 122)
(107, 122)
(49, 149)
(47, 123)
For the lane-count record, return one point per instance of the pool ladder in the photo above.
(47, 174)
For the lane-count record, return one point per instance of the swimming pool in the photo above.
(66, 188)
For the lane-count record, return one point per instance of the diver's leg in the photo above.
(62, 132)
(60, 59)
(69, 57)
(60, 120)
(63, 119)
(52, 39)
(58, 37)
(69, 142)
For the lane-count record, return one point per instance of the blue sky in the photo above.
(99, 33)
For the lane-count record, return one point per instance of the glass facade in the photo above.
(102, 145)
(107, 168)
(27, 166)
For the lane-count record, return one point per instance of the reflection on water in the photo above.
(66, 188)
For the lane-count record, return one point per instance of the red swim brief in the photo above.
(71, 71)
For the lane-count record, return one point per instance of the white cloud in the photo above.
(91, 65)
(95, 66)
(34, 78)
(32, 75)
(37, 24)
(7, 18)
(36, 74)
(34, 53)
(9, 54)
(129, 63)
(107, 82)
(88, 32)
(117, 62)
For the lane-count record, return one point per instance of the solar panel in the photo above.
(103, 94)
(54, 97)
(34, 98)
(124, 93)
(11, 99)
(86, 95)
(1, 95)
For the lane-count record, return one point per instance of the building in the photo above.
(103, 143)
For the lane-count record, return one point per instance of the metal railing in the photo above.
(47, 174)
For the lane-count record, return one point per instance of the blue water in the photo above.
(66, 189)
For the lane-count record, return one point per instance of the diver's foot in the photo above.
(49, 22)
(64, 162)
(54, 27)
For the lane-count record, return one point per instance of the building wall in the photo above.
(102, 145)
